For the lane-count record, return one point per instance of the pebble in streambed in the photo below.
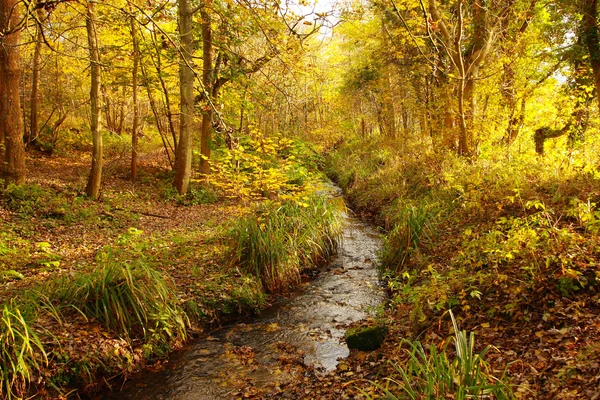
(306, 329)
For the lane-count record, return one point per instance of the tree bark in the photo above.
(165, 91)
(136, 105)
(12, 149)
(35, 84)
(183, 159)
(207, 79)
(93, 185)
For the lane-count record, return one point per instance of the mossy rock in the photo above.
(365, 338)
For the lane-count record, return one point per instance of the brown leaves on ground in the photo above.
(65, 235)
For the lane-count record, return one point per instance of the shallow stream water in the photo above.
(307, 327)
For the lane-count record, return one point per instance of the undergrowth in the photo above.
(459, 228)
(146, 292)
(412, 225)
(433, 374)
(277, 240)
(130, 299)
(508, 242)
(21, 352)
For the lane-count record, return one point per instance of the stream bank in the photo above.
(301, 331)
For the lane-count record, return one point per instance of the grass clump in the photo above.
(433, 375)
(411, 226)
(284, 238)
(21, 352)
(133, 300)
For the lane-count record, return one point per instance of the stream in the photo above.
(305, 329)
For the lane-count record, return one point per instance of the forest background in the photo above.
(131, 132)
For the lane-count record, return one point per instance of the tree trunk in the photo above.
(207, 79)
(35, 84)
(183, 159)
(464, 145)
(93, 185)
(165, 91)
(591, 36)
(162, 131)
(388, 106)
(12, 149)
(466, 59)
(136, 105)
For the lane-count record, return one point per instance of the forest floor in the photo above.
(511, 248)
(51, 232)
(547, 342)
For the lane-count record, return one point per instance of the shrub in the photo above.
(25, 199)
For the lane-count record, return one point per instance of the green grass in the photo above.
(278, 240)
(433, 375)
(411, 226)
(21, 352)
(130, 299)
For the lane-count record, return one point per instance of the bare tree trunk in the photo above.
(93, 185)
(165, 91)
(169, 148)
(207, 79)
(467, 60)
(464, 147)
(463, 136)
(12, 150)
(136, 105)
(183, 159)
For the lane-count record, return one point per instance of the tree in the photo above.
(12, 149)
(183, 159)
(35, 81)
(467, 49)
(93, 185)
(207, 83)
(136, 104)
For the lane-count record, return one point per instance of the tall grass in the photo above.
(285, 238)
(435, 376)
(21, 352)
(133, 300)
(411, 226)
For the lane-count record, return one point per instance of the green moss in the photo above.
(366, 338)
